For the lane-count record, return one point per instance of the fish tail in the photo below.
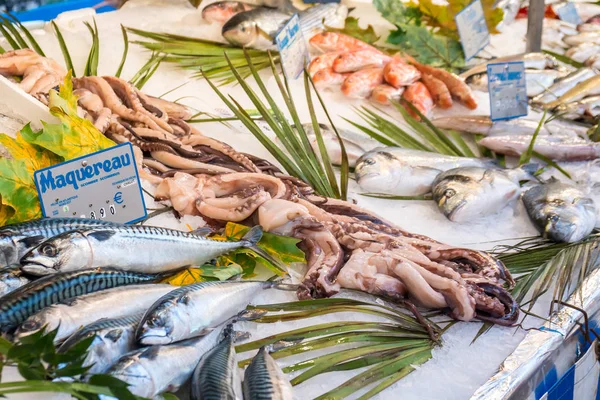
(263, 254)
(253, 236)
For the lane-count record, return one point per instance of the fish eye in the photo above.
(369, 161)
(449, 193)
(48, 250)
(553, 218)
(155, 322)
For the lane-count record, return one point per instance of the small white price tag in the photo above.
(508, 90)
(568, 13)
(472, 29)
(102, 185)
(293, 51)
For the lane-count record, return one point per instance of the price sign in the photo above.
(472, 29)
(508, 90)
(568, 13)
(292, 48)
(102, 185)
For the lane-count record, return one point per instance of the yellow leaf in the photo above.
(18, 191)
(35, 157)
(6, 213)
(185, 277)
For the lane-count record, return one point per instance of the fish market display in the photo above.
(465, 193)
(160, 250)
(16, 240)
(193, 309)
(156, 369)
(68, 316)
(560, 211)
(18, 305)
(113, 338)
(246, 28)
(264, 379)
(215, 375)
(404, 172)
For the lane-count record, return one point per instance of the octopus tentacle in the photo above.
(172, 109)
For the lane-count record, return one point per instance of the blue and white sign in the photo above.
(472, 29)
(102, 185)
(508, 90)
(568, 13)
(292, 48)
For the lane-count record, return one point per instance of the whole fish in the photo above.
(150, 249)
(19, 305)
(466, 193)
(583, 37)
(70, 315)
(215, 376)
(249, 27)
(11, 281)
(324, 61)
(590, 106)
(191, 310)
(561, 212)
(563, 85)
(327, 42)
(18, 239)
(152, 370)
(385, 93)
(360, 84)
(112, 338)
(405, 172)
(583, 52)
(418, 95)
(537, 81)
(589, 87)
(399, 73)
(222, 11)
(355, 60)
(264, 379)
(557, 148)
(531, 60)
(326, 77)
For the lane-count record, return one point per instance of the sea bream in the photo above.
(264, 379)
(149, 249)
(70, 315)
(18, 239)
(467, 193)
(560, 211)
(152, 370)
(405, 172)
(20, 304)
(112, 338)
(194, 309)
(255, 28)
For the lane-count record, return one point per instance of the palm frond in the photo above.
(64, 49)
(91, 66)
(28, 34)
(125, 51)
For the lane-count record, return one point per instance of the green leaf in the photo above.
(32, 40)
(564, 59)
(16, 35)
(91, 66)
(64, 49)
(125, 50)
(352, 28)
(18, 190)
(526, 157)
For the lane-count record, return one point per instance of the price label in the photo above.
(472, 29)
(102, 185)
(568, 13)
(508, 90)
(292, 48)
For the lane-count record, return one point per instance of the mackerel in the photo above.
(215, 377)
(264, 379)
(132, 248)
(589, 87)
(11, 281)
(112, 338)
(19, 305)
(156, 369)
(18, 239)
(563, 85)
(191, 310)
(72, 314)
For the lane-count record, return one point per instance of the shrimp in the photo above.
(359, 59)
(331, 41)
(383, 93)
(398, 73)
(439, 91)
(360, 84)
(419, 96)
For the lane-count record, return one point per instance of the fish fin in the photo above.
(249, 315)
(115, 334)
(285, 286)
(100, 236)
(254, 235)
(204, 231)
(32, 241)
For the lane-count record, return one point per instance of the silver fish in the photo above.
(156, 369)
(538, 81)
(215, 376)
(314, 19)
(557, 148)
(589, 87)
(464, 194)
(531, 61)
(18, 239)
(149, 249)
(404, 172)
(593, 62)
(112, 338)
(191, 310)
(355, 144)
(223, 11)
(563, 85)
(254, 28)
(583, 52)
(561, 212)
(84, 310)
(11, 281)
(583, 37)
(590, 106)
(264, 379)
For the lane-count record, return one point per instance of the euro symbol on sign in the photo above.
(118, 198)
